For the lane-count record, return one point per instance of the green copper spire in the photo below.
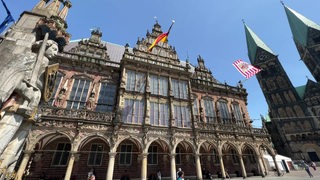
(299, 26)
(253, 43)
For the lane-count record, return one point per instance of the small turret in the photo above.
(64, 12)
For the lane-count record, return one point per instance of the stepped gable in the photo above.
(96, 48)
(201, 72)
(162, 52)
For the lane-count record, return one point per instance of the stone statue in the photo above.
(21, 78)
(21, 83)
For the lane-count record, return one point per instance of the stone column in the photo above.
(144, 165)
(223, 173)
(173, 166)
(198, 166)
(23, 165)
(112, 156)
(276, 164)
(70, 165)
(261, 166)
(243, 168)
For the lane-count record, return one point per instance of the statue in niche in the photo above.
(61, 96)
(91, 102)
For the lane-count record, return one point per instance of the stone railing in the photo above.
(90, 59)
(75, 114)
(230, 128)
(155, 62)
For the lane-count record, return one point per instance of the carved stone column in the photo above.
(198, 166)
(261, 166)
(144, 165)
(243, 168)
(223, 173)
(173, 166)
(23, 165)
(112, 156)
(70, 165)
(276, 164)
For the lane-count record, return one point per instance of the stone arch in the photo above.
(228, 145)
(128, 153)
(32, 142)
(136, 140)
(209, 157)
(230, 155)
(51, 150)
(88, 138)
(250, 159)
(158, 157)
(92, 153)
(185, 156)
(162, 142)
(264, 148)
(311, 152)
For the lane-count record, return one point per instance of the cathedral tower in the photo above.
(306, 36)
(283, 100)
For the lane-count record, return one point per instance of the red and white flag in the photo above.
(247, 70)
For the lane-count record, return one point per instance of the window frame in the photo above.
(153, 155)
(95, 153)
(63, 154)
(209, 110)
(127, 155)
(104, 103)
(73, 95)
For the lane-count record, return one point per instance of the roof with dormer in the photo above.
(300, 26)
(253, 43)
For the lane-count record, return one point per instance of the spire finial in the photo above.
(243, 21)
(282, 3)
(156, 19)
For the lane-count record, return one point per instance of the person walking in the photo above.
(306, 167)
(159, 174)
(180, 174)
(313, 165)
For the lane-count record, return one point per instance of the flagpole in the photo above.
(172, 22)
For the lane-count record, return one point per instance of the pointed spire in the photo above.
(54, 7)
(64, 12)
(299, 25)
(253, 43)
(41, 4)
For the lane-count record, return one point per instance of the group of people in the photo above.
(306, 167)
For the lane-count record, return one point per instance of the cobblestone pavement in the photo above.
(293, 175)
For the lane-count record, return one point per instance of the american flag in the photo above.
(247, 70)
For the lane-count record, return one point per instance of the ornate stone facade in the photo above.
(117, 109)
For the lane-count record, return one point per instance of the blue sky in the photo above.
(210, 28)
